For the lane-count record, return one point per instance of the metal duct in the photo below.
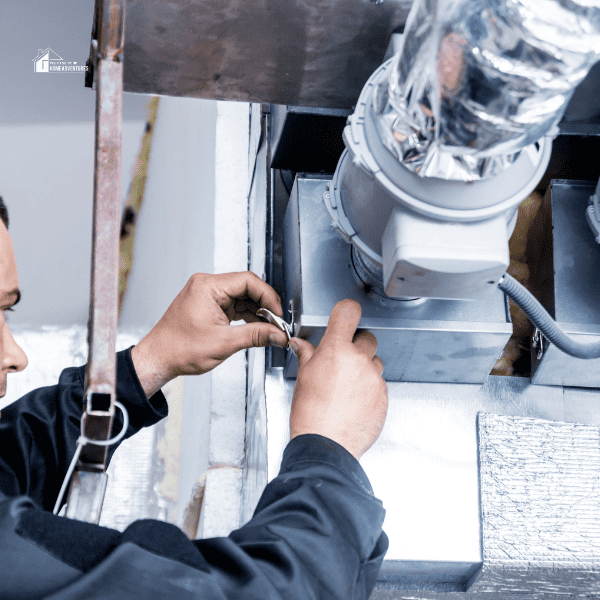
(478, 80)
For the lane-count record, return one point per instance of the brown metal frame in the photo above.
(88, 484)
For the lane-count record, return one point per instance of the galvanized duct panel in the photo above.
(540, 506)
(478, 80)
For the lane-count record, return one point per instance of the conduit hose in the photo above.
(538, 315)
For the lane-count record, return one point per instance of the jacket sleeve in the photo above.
(316, 533)
(38, 432)
(317, 529)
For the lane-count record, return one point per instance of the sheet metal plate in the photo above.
(576, 255)
(317, 53)
(437, 340)
(582, 406)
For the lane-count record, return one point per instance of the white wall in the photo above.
(46, 180)
(174, 237)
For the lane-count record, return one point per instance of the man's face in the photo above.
(12, 357)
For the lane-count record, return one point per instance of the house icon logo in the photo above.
(41, 63)
(47, 61)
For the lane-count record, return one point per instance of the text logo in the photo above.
(48, 61)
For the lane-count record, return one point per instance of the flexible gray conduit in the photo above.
(544, 322)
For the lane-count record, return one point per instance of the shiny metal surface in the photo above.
(582, 405)
(540, 506)
(437, 340)
(272, 318)
(86, 495)
(569, 273)
(271, 51)
(576, 255)
(555, 367)
(424, 467)
(477, 81)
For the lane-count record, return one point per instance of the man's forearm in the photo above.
(151, 374)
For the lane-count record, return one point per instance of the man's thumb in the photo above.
(254, 335)
(302, 349)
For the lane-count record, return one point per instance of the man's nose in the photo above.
(15, 359)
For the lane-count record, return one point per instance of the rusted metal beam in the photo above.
(103, 317)
(100, 379)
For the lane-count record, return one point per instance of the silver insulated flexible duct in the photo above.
(451, 135)
(478, 80)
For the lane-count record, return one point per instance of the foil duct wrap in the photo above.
(478, 80)
(540, 506)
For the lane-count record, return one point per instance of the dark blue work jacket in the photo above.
(316, 532)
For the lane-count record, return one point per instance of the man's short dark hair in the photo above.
(3, 212)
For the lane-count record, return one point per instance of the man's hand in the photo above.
(340, 393)
(194, 335)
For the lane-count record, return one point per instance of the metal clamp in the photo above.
(294, 325)
(538, 342)
(272, 318)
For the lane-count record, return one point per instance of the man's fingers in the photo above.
(343, 321)
(238, 285)
(378, 364)
(248, 317)
(254, 335)
(366, 342)
(303, 350)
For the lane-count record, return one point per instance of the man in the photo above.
(316, 532)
